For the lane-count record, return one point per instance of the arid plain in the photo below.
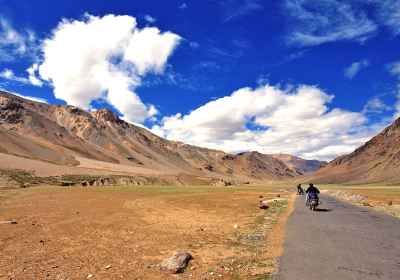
(126, 232)
(88, 195)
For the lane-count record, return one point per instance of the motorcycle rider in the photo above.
(311, 189)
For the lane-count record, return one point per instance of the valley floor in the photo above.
(126, 232)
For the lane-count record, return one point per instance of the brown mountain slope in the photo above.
(100, 139)
(301, 165)
(377, 161)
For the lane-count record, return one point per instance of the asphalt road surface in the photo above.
(339, 240)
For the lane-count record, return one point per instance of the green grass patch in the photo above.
(25, 177)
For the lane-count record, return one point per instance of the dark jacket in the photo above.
(312, 190)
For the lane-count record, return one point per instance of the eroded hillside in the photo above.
(71, 136)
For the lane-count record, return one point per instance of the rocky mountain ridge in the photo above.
(71, 136)
(377, 161)
(303, 166)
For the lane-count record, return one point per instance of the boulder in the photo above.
(177, 262)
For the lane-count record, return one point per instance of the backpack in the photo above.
(313, 195)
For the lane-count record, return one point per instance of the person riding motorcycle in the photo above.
(311, 189)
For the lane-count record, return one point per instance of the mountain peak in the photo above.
(106, 114)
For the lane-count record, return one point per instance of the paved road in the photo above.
(340, 241)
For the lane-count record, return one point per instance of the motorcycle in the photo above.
(313, 202)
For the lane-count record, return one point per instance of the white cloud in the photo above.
(149, 19)
(375, 105)
(318, 22)
(27, 97)
(394, 68)
(32, 98)
(354, 68)
(14, 44)
(183, 6)
(105, 58)
(8, 74)
(32, 75)
(294, 121)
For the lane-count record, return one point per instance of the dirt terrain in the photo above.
(370, 196)
(126, 232)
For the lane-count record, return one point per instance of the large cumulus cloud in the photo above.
(268, 119)
(105, 58)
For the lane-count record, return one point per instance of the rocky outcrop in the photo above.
(106, 114)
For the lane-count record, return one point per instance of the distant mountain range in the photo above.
(300, 165)
(100, 140)
(70, 136)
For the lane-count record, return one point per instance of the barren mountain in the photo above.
(377, 161)
(301, 165)
(73, 137)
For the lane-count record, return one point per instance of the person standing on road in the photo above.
(311, 189)
(299, 189)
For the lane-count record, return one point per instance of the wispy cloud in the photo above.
(183, 6)
(388, 13)
(237, 8)
(194, 45)
(317, 22)
(149, 19)
(13, 44)
(218, 52)
(9, 75)
(206, 64)
(355, 67)
(394, 68)
(375, 105)
(292, 56)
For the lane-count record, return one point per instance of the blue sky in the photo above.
(314, 79)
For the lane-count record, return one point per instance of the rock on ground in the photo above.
(356, 197)
(341, 193)
(177, 262)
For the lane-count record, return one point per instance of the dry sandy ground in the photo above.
(126, 232)
(87, 166)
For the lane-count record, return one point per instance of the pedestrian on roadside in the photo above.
(298, 189)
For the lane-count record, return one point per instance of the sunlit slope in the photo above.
(64, 134)
(377, 161)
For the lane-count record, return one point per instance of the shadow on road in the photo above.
(323, 210)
